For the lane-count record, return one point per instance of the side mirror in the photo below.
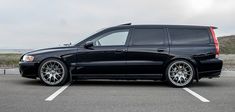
(89, 44)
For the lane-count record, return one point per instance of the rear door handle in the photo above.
(120, 51)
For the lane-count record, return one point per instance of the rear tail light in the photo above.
(216, 42)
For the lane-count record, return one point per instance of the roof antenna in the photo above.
(126, 24)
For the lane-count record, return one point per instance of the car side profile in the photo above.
(177, 54)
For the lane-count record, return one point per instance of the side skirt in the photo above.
(118, 76)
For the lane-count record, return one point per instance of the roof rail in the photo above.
(126, 24)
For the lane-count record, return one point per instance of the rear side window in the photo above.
(189, 36)
(148, 37)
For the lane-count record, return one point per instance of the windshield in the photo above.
(90, 34)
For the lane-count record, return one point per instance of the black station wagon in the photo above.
(177, 54)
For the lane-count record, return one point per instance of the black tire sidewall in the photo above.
(63, 81)
(168, 78)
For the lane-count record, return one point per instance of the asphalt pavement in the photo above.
(19, 94)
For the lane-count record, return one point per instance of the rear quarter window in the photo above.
(189, 36)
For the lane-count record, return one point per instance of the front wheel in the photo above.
(180, 73)
(53, 72)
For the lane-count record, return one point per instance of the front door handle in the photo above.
(160, 50)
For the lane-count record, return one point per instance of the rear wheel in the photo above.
(180, 73)
(53, 72)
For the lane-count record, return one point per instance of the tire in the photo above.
(180, 73)
(53, 72)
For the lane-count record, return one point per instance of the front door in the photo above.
(107, 55)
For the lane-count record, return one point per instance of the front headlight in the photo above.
(28, 58)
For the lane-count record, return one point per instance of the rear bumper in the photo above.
(210, 68)
(28, 69)
(210, 74)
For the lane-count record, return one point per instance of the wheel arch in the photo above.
(58, 58)
(190, 60)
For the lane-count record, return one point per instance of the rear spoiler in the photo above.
(213, 27)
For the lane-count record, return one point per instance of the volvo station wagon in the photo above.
(177, 54)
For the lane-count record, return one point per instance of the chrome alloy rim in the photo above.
(52, 72)
(180, 73)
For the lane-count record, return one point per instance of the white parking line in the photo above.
(196, 95)
(50, 98)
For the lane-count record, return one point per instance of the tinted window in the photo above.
(113, 38)
(189, 36)
(148, 37)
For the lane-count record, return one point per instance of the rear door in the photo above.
(147, 51)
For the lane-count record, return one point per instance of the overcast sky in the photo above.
(34, 24)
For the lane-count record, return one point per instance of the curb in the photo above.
(14, 71)
(228, 73)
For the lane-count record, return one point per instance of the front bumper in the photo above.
(28, 69)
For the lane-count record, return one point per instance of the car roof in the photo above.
(160, 26)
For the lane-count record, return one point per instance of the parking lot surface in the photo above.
(18, 94)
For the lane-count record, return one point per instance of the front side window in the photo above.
(114, 38)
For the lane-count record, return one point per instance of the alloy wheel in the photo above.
(52, 72)
(180, 73)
